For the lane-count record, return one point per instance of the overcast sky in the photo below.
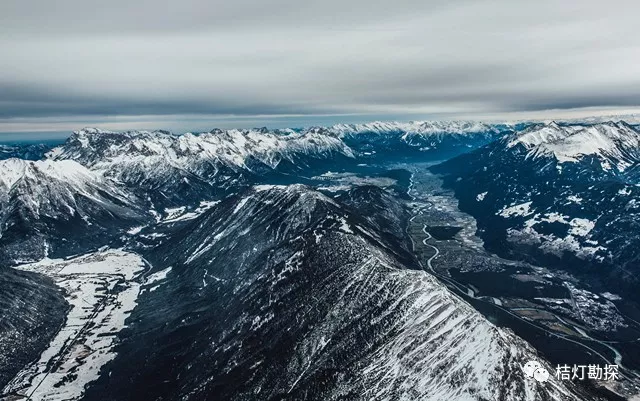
(194, 64)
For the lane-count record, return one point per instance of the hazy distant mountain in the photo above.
(417, 139)
(178, 169)
(24, 151)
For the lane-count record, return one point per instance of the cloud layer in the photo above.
(261, 60)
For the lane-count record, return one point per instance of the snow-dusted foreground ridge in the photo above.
(312, 302)
(101, 291)
(438, 347)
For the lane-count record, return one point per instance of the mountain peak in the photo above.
(90, 130)
(13, 170)
(56, 205)
(612, 143)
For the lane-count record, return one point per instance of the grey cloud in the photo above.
(38, 102)
(275, 58)
(123, 16)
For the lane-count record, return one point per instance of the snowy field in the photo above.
(101, 290)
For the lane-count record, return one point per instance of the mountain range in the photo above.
(24, 151)
(278, 264)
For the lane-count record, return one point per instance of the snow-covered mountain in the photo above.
(560, 195)
(417, 128)
(196, 166)
(178, 169)
(283, 293)
(615, 145)
(270, 289)
(100, 149)
(416, 139)
(56, 206)
(633, 119)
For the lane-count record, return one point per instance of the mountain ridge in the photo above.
(365, 324)
(58, 206)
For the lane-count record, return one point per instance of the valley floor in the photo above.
(102, 289)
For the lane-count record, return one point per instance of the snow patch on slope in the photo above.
(523, 209)
(13, 171)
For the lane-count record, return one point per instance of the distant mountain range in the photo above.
(174, 170)
(24, 151)
(421, 140)
(178, 169)
(99, 182)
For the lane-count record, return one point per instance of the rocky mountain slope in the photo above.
(614, 146)
(33, 308)
(283, 293)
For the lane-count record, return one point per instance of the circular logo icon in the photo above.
(530, 367)
(541, 375)
(535, 370)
